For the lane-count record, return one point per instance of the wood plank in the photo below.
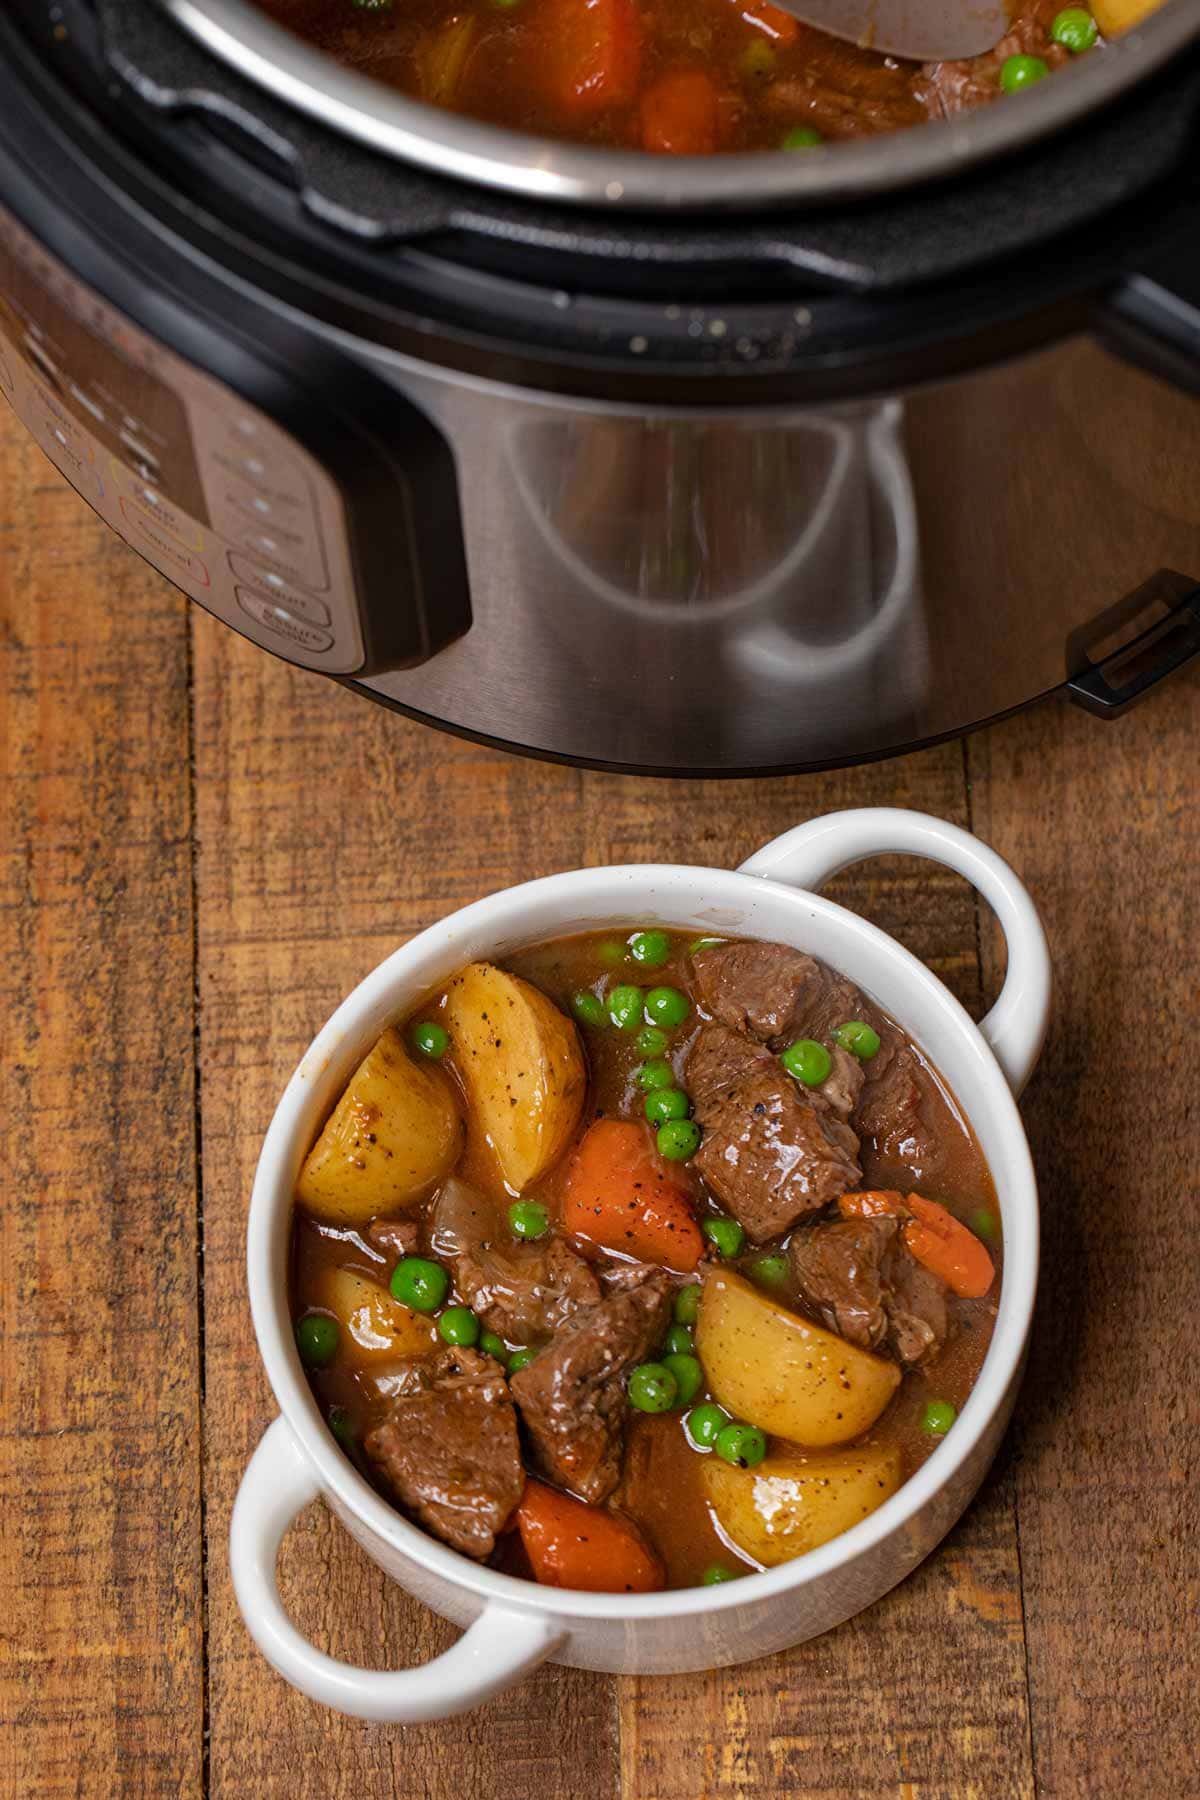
(329, 830)
(1109, 1422)
(101, 1678)
(925, 1695)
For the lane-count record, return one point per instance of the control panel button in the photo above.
(291, 561)
(283, 593)
(275, 618)
(172, 558)
(148, 507)
(59, 440)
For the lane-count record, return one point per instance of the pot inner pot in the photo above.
(503, 94)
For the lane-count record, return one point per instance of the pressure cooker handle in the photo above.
(1152, 317)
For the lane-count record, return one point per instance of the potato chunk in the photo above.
(773, 1368)
(374, 1326)
(1115, 16)
(791, 1503)
(394, 1134)
(522, 1067)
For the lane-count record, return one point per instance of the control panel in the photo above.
(206, 487)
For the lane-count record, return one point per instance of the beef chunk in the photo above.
(894, 1111)
(778, 994)
(839, 1269)
(953, 87)
(773, 1150)
(572, 1395)
(862, 1280)
(753, 987)
(448, 1449)
(522, 1291)
(396, 1238)
(918, 1308)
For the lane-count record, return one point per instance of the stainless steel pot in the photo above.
(519, 163)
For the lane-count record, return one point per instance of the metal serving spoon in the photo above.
(924, 31)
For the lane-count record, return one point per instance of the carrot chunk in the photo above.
(571, 1545)
(592, 53)
(619, 1197)
(939, 1241)
(680, 114)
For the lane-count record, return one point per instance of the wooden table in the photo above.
(203, 849)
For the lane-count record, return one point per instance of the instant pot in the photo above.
(695, 465)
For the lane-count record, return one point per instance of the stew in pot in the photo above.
(680, 76)
(642, 1261)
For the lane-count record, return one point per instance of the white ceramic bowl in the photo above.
(511, 1625)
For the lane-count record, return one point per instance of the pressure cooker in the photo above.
(693, 465)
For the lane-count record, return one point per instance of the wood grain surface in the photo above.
(203, 850)
(101, 1572)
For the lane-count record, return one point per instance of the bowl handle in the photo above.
(499, 1646)
(810, 854)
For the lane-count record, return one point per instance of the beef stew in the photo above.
(687, 77)
(642, 1260)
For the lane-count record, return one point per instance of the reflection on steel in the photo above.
(772, 590)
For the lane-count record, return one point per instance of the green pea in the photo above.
(430, 1039)
(666, 1103)
(715, 1573)
(859, 1038)
(678, 1139)
(808, 1061)
(458, 1325)
(652, 1388)
(317, 1339)
(491, 1345)
(985, 1225)
(704, 1424)
(1075, 29)
(656, 1074)
(1021, 72)
(772, 1270)
(528, 1219)
(342, 1427)
(801, 137)
(685, 1308)
(625, 1006)
(419, 1283)
(679, 1341)
(519, 1358)
(611, 952)
(757, 61)
(588, 1010)
(689, 1376)
(725, 1235)
(667, 1006)
(650, 948)
(650, 1041)
(742, 1445)
(937, 1418)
